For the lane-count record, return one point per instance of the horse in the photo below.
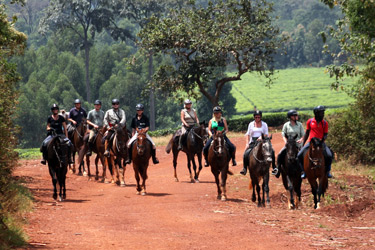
(118, 151)
(314, 166)
(259, 163)
(57, 158)
(196, 138)
(141, 153)
(76, 137)
(98, 148)
(291, 172)
(218, 158)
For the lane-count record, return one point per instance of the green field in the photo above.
(300, 89)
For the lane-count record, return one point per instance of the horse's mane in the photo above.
(315, 141)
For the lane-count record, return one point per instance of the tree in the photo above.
(202, 39)
(85, 18)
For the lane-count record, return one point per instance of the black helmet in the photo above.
(257, 112)
(139, 107)
(97, 102)
(54, 106)
(187, 101)
(318, 108)
(217, 109)
(115, 101)
(291, 113)
(76, 101)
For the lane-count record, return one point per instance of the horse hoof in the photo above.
(107, 182)
(54, 196)
(122, 184)
(71, 171)
(96, 178)
(60, 199)
(192, 181)
(196, 180)
(317, 206)
(176, 180)
(138, 193)
(84, 174)
(143, 193)
(80, 174)
(223, 198)
(218, 197)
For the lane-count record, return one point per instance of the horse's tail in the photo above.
(169, 146)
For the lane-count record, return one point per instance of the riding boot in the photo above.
(70, 155)
(107, 148)
(276, 171)
(44, 155)
(153, 154)
(205, 160)
(329, 175)
(180, 143)
(234, 163)
(89, 151)
(129, 159)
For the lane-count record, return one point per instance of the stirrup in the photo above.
(234, 163)
(275, 171)
(89, 153)
(329, 175)
(44, 162)
(106, 153)
(155, 160)
(206, 163)
(303, 175)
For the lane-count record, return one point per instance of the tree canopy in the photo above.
(201, 39)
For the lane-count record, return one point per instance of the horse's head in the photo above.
(218, 143)
(141, 143)
(291, 148)
(266, 148)
(316, 151)
(121, 137)
(59, 150)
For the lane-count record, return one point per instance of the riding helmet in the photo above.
(291, 113)
(257, 112)
(54, 106)
(97, 102)
(115, 101)
(76, 101)
(187, 101)
(139, 107)
(217, 109)
(319, 108)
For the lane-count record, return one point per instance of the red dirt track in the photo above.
(184, 215)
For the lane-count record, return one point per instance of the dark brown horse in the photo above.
(118, 152)
(57, 158)
(76, 137)
(141, 153)
(259, 163)
(98, 148)
(315, 169)
(291, 172)
(218, 158)
(195, 140)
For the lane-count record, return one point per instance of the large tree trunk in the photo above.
(152, 97)
(87, 64)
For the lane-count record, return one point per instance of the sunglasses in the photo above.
(257, 117)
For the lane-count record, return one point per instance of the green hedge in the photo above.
(162, 132)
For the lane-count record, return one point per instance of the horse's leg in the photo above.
(54, 182)
(263, 192)
(97, 167)
(199, 156)
(320, 192)
(253, 182)
(104, 165)
(175, 155)
(223, 184)
(115, 171)
(122, 175)
(258, 193)
(215, 172)
(189, 167)
(88, 167)
(314, 190)
(194, 168)
(290, 189)
(144, 178)
(266, 180)
(137, 178)
(64, 171)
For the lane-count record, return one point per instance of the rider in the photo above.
(188, 118)
(113, 117)
(76, 114)
(254, 133)
(95, 120)
(218, 123)
(316, 127)
(291, 128)
(141, 123)
(57, 123)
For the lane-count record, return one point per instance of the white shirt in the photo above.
(256, 132)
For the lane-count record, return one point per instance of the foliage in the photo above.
(202, 39)
(12, 42)
(353, 130)
(29, 153)
(300, 89)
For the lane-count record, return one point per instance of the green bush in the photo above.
(162, 132)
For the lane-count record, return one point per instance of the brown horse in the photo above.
(141, 153)
(99, 149)
(57, 158)
(314, 166)
(259, 163)
(76, 137)
(196, 138)
(218, 158)
(118, 152)
(291, 172)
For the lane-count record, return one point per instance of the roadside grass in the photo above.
(345, 167)
(300, 88)
(29, 153)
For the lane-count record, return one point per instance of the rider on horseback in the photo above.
(218, 123)
(57, 123)
(254, 133)
(188, 118)
(76, 114)
(113, 117)
(141, 123)
(291, 128)
(316, 127)
(95, 120)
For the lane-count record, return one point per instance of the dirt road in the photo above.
(184, 215)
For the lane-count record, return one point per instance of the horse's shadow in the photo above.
(236, 200)
(157, 194)
(75, 201)
(203, 182)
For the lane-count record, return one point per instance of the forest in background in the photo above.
(53, 65)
